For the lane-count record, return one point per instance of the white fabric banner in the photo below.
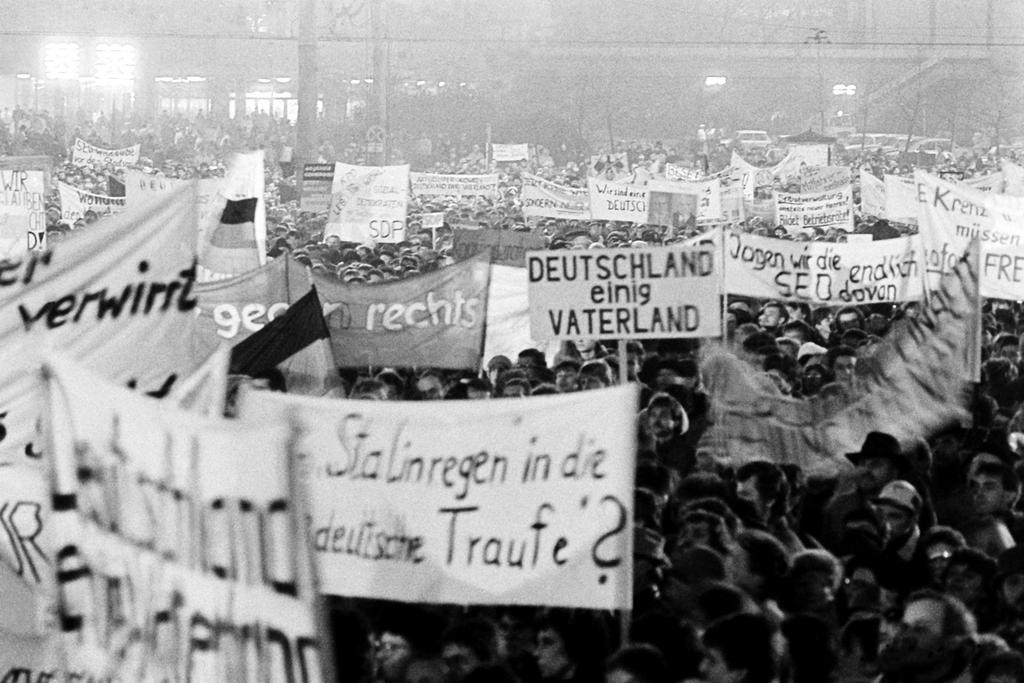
(823, 178)
(174, 531)
(1013, 178)
(85, 153)
(900, 199)
(117, 296)
(508, 314)
(451, 185)
(872, 195)
(74, 203)
(510, 152)
(542, 198)
(139, 185)
(951, 215)
(611, 201)
(650, 293)
(832, 209)
(833, 273)
(22, 211)
(484, 502)
(369, 203)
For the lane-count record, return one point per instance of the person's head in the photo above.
(393, 383)
(849, 318)
(739, 650)
(813, 376)
(403, 634)
(934, 640)
(879, 461)
(595, 374)
(899, 505)
(496, 366)
(569, 643)
(772, 315)
(969, 576)
(370, 390)
(430, 386)
(763, 488)
(938, 545)
(1007, 346)
(637, 664)
(812, 582)
(757, 564)
(466, 645)
(676, 372)
(843, 363)
(531, 359)
(664, 418)
(994, 488)
(567, 373)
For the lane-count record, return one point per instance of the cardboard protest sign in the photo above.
(510, 152)
(650, 293)
(22, 208)
(671, 206)
(508, 314)
(180, 554)
(900, 199)
(611, 201)
(85, 153)
(872, 195)
(912, 385)
(823, 178)
(451, 185)
(542, 198)
(315, 193)
(677, 172)
(431, 320)
(74, 203)
(507, 247)
(233, 227)
(832, 209)
(951, 215)
(369, 203)
(485, 502)
(118, 296)
(833, 273)
(232, 309)
(706, 192)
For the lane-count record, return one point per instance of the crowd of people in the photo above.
(904, 568)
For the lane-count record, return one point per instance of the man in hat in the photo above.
(899, 505)
(879, 461)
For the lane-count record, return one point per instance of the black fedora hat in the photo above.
(881, 445)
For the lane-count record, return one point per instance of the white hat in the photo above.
(810, 349)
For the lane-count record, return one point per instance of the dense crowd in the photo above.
(903, 568)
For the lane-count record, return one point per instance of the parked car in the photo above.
(751, 139)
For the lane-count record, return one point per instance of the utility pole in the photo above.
(305, 124)
(819, 37)
(380, 85)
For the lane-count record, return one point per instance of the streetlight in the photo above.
(715, 81)
(844, 90)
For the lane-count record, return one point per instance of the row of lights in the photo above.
(846, 89)
(111, 61)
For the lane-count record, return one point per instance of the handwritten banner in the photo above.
(542, 198)
(315, 193)
(451, 185)
(23, 211)
(823, 178)
(507, 247)
(510, 152)
(832, 209)
(176, 534)
(484, 502)
(652, 293)
(85, 153)
(677, 172)
(369, 203)
(611, 201)
(118, 296)
(431, 320)
(74, 203)
(823, 272)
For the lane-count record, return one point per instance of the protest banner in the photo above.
(22, 201)
(433, 220)
(369, 203)
(609, 166)
(175, 531)
(230, 310)
(823, 178)
(451, 185)
(912, 385)
(611, 201)
(74, 203)
(832, 273)
(649, 293)
(204, 392)
(510, 152)
(733, 207)
(951, 215)
(992, 182)
(315, 193)
(1013, 178)
(708, 200)
(542, 198)
(872, 195)
(233, 226)
(824, 210)
(677, 172)
(507, 247)
(671, 206)
(900, 199)
(485, 502)
(139, 185)
(118, 296)
(431, 320)
(508, 314)
(85, 153)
